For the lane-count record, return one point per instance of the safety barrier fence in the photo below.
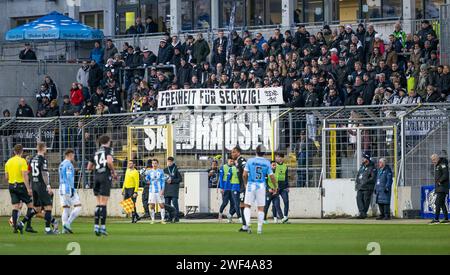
(317, 143)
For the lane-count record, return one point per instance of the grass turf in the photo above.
(214, 238)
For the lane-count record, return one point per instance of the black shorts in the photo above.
(41, 197)
(242, 193)
(102, 185)
(128, 193)
(145, 194)
(19, 194)
(242, 197)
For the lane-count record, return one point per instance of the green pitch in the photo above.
(215, 238)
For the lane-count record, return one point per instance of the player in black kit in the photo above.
(42, 191)
(240, 164)
(103, 167)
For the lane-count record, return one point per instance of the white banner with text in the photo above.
(220, 97)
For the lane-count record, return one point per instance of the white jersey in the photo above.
(258, 169)
(156, 179)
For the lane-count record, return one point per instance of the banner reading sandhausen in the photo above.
(220, 97)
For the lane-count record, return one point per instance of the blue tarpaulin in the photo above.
(54, 26)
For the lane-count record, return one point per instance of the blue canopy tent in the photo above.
(54, 26)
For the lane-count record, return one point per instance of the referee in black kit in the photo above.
(441, 179)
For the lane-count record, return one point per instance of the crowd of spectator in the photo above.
(343, 66)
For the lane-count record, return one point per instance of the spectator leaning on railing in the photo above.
(150, 25)
(27, 54)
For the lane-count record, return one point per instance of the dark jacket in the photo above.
(96, 99)
(368, 92)
(109, 53)
(237, 46)
(184, 74)
(296, 102)
(30, 55)
(172, 189)
(151, 27)
(52, 112)
(219, 58)
(443, 83)
(351, 97)
(140, 28)
(134, 60)
(341, 74)
(88, 110)
(67, 109)
(424, 32)
(367, 175)
(276, 42)
(95, 76)
(217, 44)
(24, 111)
(434, 97)
(200, 50)
(176, 60)
(301, 39)
(147, 62)
(441, 176)
(312, 99)
(332, 101)
(383, 188)
(165, 54)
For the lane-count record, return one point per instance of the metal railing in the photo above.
(445, 34)
(201, 134)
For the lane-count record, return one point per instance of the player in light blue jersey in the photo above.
(68, 195)
(255, 173)
(156, 180)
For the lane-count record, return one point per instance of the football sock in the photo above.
(163, 214)
(30, 214)
(260, 220)
(74, 214)
(48, 220)
(152, 214)
(146, 210)
(244, 222)
(135, 212)
(65, 215)
(97, 214)
(15, 215)
(103, 215)
(247, 213)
